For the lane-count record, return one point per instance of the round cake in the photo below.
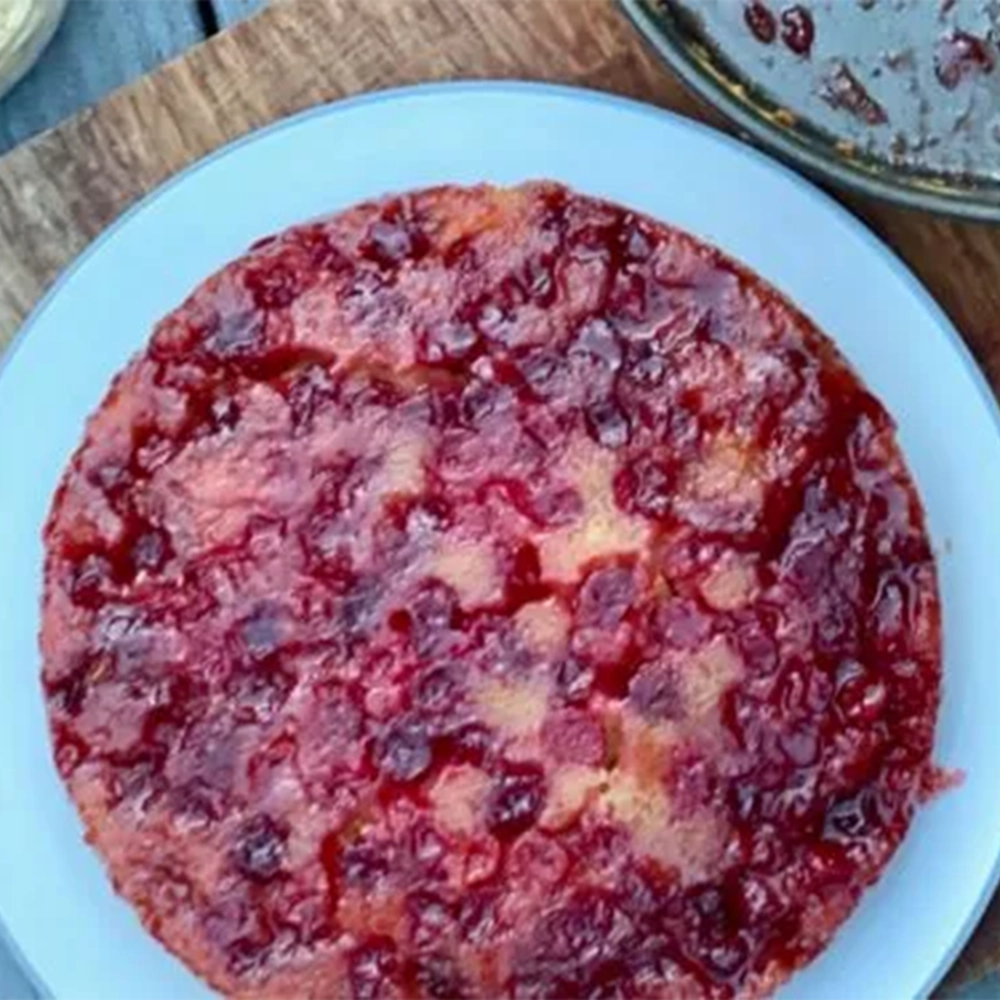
(491, 593)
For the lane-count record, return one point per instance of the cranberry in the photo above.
(120, 628)
(859, 693)
(492, 315)
(438, 978)
(359, 608)
(574, 679)
(92, 581)
(612, 653)
(405, 752)
(480, 400)
(259, 850)
(853, 756)
(861, 697)
(574, 737)
(542, 370)
(258, 690)
(606, 596)
(760, 21)
(655, 692)
(273, 284)
(150, 550)
(539, 279)
(709, 907)
(477, 915)
(321, 251)
(113, 478)
(339, 484)
(450, 342)
(549, 505)
(797, 29)
(301, 917)
(235, 334)
(245, 955)
(70, 750)
(727, 959)
(959, 55)
(428, 515)
(432, 611)
(426, 845)
(373, 969)
(430, 917)
(515, 801)
(759, 901)
(394, 239)
(891, 617)
(598, 342)
(364, 864)
(850, 818)
(176, 701)
(636, 240)
(438, 690)
(628, 299)
(461, 255)
(199, 801)
(792, 803)
(139, 778)
(261, 632)
(470, 742)
(646, 487)
(578, 950)
(235, 925)
(594, 239)
(800, 745)
(645, 891)
(645, 368)
(607, 424)
(223, 414)
(311, 390)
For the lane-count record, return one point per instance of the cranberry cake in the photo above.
(491, 593)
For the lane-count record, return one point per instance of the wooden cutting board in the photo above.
(60, 190)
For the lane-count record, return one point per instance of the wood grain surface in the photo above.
(100, 45)
(60, 190)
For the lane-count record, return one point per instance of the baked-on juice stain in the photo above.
(910, 82)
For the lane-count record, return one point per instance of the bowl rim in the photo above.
(817, 159)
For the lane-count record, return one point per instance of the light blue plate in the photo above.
(54, 898)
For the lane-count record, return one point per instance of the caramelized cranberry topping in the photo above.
(492, 593)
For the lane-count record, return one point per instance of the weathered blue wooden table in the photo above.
(101, 45)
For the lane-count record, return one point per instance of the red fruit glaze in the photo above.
(760, 21)
(491, 593)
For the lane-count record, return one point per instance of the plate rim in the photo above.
(525, 87)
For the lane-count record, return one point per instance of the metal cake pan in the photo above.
(673, 33)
